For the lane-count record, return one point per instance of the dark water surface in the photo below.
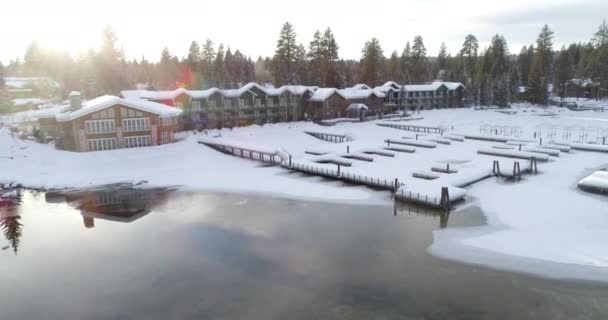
(216, 256)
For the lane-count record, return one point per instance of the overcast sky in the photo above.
(145, 27)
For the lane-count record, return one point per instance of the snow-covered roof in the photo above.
(434, 86)
(231, 93)
(360, 86)
(295, 90)
(360, 94)
(103, 102)
(202, 94)
(51, 112)
(357, 107)
(152, 95)
(322, 94)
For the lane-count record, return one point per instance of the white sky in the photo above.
(145, 27)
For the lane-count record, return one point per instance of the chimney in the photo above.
(75, 100)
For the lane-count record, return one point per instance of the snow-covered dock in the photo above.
(239, 149)
(413, 143)
(414, 128)
(328, 136)
(596, 182)
(514, 154)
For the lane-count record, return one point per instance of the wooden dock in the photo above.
(330, 137)
(413, 128)
(265, 156)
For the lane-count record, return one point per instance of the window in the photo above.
(168, 121)
(136, 124)
(211, 103)
(166, 136)
(138, 141)
(101, 144)
(99, 126)
(196, 106)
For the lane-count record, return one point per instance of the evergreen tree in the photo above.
(525, 62)
(285, 56)
(563, 71)
(207, 59)
(419, 70)
(442, 62)
(468, 56)
(600, 60)
(194, 56)
(393, 67)
(539, 76)
(13, 229)
(372, 63)
(315, 57)
(219, 70)
(405, 64)
(111, 78)
(330, 70)
(33, 60)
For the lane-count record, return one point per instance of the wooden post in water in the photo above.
(290, 161)
(445, 198)
(347, 149)
(338, 170)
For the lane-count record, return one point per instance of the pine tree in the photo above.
(419, 70)
(207, 59)
(469, 56)
(538, 78)
(405, 64)
(33, 60)
(525, 62)
(169, 69)
(285, 55)
(442, 62)
(111, 79)
(315, 57)
(500, 71)
(563, 71)
(330, 70)
(219, 70)
(228, 67)
(12, 228)
(393, 67)
(194, 56)
(600, 60)
(372, 63)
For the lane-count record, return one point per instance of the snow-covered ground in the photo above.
(542, 224)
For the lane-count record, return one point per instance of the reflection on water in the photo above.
(121, 204)
(10, 221)
(218, 256)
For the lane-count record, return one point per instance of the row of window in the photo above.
(136, 124)
(166, 137)
(101, 144)
(99, 126)
(168, 121)
(138, 141)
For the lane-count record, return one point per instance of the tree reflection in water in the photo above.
(10, 223)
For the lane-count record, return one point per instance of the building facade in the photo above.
(110, 122)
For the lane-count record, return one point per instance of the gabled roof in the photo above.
(434, 86)
(323, 94)
(361, 86)
(360, 94)
(294, 90)
(202, 94)
(104, 102)
(231, 93)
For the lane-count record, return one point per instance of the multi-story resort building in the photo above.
(110, 122)
(255, 104)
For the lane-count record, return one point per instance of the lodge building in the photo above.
(110, 122)
(255, 104)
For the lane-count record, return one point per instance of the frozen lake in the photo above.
(220, 256)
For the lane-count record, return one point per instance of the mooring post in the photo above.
(290, 161)
(520, 147)
(347, 149)
(338, 170)
(445, 198)
(604, 140)
(541, 141)
(448, 167)
(396, 184)
(388, 141)
(416, 136)
(534, 134)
